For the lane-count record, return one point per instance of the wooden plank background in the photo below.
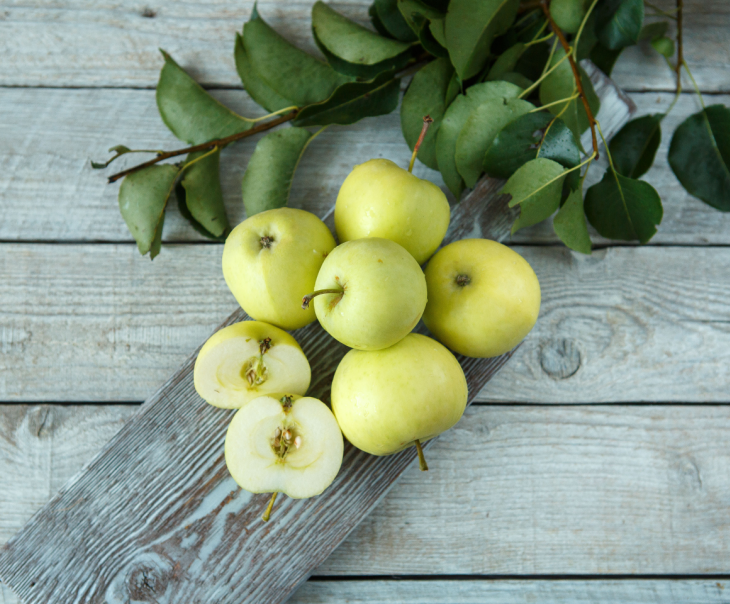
(518, 494)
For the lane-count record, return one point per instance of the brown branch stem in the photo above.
(220, 142)
(680, 49)
(427, 121)
(576, 73)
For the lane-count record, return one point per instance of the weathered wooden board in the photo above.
(173, 518)
(498, 591)
(514, 490)
(50, 193)
(99, 323)
(114, 42)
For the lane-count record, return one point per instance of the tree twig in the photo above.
(220, 142)
(680, 49)
(576, 74)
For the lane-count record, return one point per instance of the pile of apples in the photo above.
(394, 389)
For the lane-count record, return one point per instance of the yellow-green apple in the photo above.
(388, 400)
(271, 260)
(369, 294)
(381, 199)
(249, 359)
(483, 297)
(284, 444)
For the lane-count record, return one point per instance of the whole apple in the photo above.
(380, 199)
(370, 293)
(483, 297)
(271, 260)
(391, 399)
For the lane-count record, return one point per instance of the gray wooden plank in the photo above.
(49, 192)
(112, 43)
(99, 323)
(487, 591)
(512, 490)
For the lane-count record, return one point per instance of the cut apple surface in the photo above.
(249, 359)
(284, 444)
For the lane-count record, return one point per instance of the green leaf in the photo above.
(377, 23)
(664, 46)
(568, 14)
(516, 144)
(157, 241)
(588, 38)
(353, 101)
(506, 62)
(289, 71)
(201, 189)
(257, 89)
(453, 89)
(605, 58)
(634, 146)
(560, 84)
(454, 119)
(437, 31)
(270, 171)
(618, 23)
(570, 224)
(393, 21)
(653, 30)
(426, 96)
(352, 49)
(619, 207)
(185, 213)
(142, 200)
(429, 42)
(479, 130)
(699, 155)
(189, 111)
(469, 28)
(536, 187)
(418, 15)
(517, 79)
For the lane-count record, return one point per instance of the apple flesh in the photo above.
(381, 199)
(391, 399)
(284, 444)
(375, 293)
(271, 260)
(483, 297)
(249, 359)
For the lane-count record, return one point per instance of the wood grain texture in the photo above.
(49, 191)
(99, 323)
(512, 490)
(173, 518)
(487, 591)
(114, 43)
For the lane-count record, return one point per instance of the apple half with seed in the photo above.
(249, 359)
(284, 443)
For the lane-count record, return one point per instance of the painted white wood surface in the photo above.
(488, 591)
(114, 42)
(99, 323)
(49, 192)
(513, 490)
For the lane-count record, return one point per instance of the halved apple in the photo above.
(249, 359)
(284, 444)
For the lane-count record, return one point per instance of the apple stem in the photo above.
(421, 459)
(308, 298)
(267, 513)
(427, 121)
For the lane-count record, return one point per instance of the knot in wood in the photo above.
(146, 583)
(560, 359)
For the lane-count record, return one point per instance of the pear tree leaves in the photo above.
(634, 146)
(480, 128)
(200, 197)
(352, 49)
(389, 16)
(469, 28)
(353, 101)
(536, 187)
(570, 224)
(453, 121)
(568, 14)
(699, 155)
(270, 171)
(419, 16)
(426, 96)
(142, 200)
(257, 88)
(623, 208)
(189, 111)
(619, 22)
